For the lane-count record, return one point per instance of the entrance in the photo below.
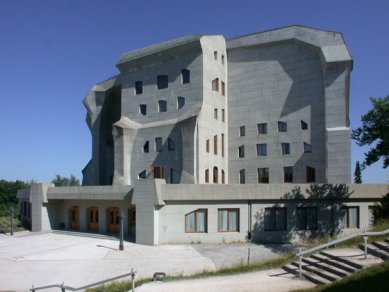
(75, 218)
(93, 213)
(113, 220)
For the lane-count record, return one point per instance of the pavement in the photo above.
(76, 259)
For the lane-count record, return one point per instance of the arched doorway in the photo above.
(113, 220)
(75, 218)
(93, 216)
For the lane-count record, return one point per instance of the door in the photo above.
(75, 218)
(113, 220)
(93, 219)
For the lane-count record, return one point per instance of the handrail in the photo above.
(64, 288)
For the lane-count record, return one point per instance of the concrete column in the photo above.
(39, 216)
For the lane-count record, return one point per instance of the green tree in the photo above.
(357, 174)
(8, 190)
(381, 212)
(60, 181)
(375, 132)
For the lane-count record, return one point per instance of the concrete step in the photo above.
(376, 251)
(318, 271)
(344, 267)
(382, 245)
(342, 259)
(326, 266)
(309, 276)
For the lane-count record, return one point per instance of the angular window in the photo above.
(142, 174)
(349, 217)
(215, 84)
(215, 175)
(228, 220)
(196, 221)
(282, 127)
(207, 175)
(304, 125)
(263, 175)
(171, 145)
(262, 128)
(223, 115)
(162, 106)
(215, 145)
(180, 102)
(223, 59)
(143, 109)
(288, 174)
(162, 81)
(222, 145)
(215, 113)
(242, 176)
(307, 218)
(223, 85)
(146, 147)
(285, 148)
(185, 76)
(158, 144)
(242, 131)
(275, 219)
(307, 148)
(261, 149)
(215, 55)
(174, 176)
(207, 145)
(223, 177)
(158, 171)
(138, 87)
(311, 176)
(241, 151)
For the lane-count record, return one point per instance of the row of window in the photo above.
(197, 221)
(262, 149)
(263, 175)
(207, 145)
(158, 172)
(262, 128)
(163, 81)
(215, 114)
(158, 145)
(215, 176)
(162, 106)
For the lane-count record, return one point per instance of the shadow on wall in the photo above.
(315, 215)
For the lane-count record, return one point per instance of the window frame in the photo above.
(261, 149)
(242, 131)
(162, 106)
(285, 148)
(143, 109)
(196, 229)
(242, 178)
(288, 175)
(185, 76)
(206, 175)
(282, 127)
(142, 174)
(215, 84)
(347, 208)
(307, 147)
(160, 171)
(304, 125)
(146, 147)
(303, 210)
(264, 177)
(138, 87)
(274, 227)
(162, 81)
(229, 210)
(180, 102)
(311, 174)
(215, 145)
(262, 128)
(241, 151)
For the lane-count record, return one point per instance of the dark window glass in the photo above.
(162, 81)
(215, 84)
(207, 175)
(241, 151)
(282, 127)
(180, 102)
(307, 148)
(275, 219)
(215, 175)
(242, 176)
(262, 128)
(311, 175)
(162, 106)
(285, 148)
(158, 144)
(304, 125)
(228, 220)
(261, 149)
(263, 175)
(143, 109)
(158, 171)
(146, 147)
(170, 144)
(307, 218)
(185, 75)
(142, 174)
(242, 131)
(288, 174)
(138, 87)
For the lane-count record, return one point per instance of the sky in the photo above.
(53, 51)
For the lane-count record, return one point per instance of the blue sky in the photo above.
(53, 52)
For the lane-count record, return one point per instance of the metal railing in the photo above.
(63, 287)
(364, 234)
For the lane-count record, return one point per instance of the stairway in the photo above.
(333, 264)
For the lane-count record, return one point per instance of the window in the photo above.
(275, 219)
(223, 177)
(138, 87)
(162, 81)
(158, 171)
(307, 218)
(241, 151)
(207, 145)
(307, 148)
(288, 174)
(215, 175)
(262, 128)
(215, 55)
(349, 217)
(282, 127)
(174, 176)
(304, 125)
(261, 149)
(180, 102)
(146, 147)
(311, 176)
(158, 144)
(207, 175)
(142, 174)
(143, 109)
(223, 88)
(196, 221)
(185, 76)
(242, 131)
(223, 59)
(171, 145)
(162, 106)
(215, 145)
(242, 176)
(222, 145)
(223, 115)
(263, 175)
(285, 148)
(215, 113)
(228, 220)
(215, 84)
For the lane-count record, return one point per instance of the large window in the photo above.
(158, 144)
(162, 81)
(162, 106)
(282, 127)
(242, 176)
(288, 174)
(196, 221)
(241, 151)
(307, 218)
(275, 219)
(261, 149)
(185, 76)
(285, 148)
(263, 175)
(311, 174)
(228, 220)
(349, 217)
(262, 128)
(138, 87)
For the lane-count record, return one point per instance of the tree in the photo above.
(357, 174)
(381, 212)
(8, 190)
(375, 130)
(60, 181)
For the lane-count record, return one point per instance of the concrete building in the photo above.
(203, 139)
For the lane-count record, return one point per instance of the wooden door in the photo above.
(113, 220)
(75, 218)
(93, 219)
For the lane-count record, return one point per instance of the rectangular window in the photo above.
(223, 177)
(263, 175)
(311, 175)
(215, 145)
(162, 106)
(180, 102)
(207, 145)
(174, 176)
(223, 59)
(241, 151)
(158, 171)
(215, 113)
(162, 81)
(138, 87)
(222, 145)
(196, 221)
(146, 147)
(304, 125)
(275, 219)
(223, 115)
(282, 127)
(185, 76)
(158, 144)
(262, 128)
(215, 55)
(223, 85)
(242, 176)
(261, 149)
(288, 174)
(215, 84)
(307, 148)
(285, 148)
(170, 144)
(207, 175)
(228, 220)
(349, 217)
(242, 131)
(307, 218)
(143, 109)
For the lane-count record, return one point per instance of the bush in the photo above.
(5, 224)
(381, 212)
